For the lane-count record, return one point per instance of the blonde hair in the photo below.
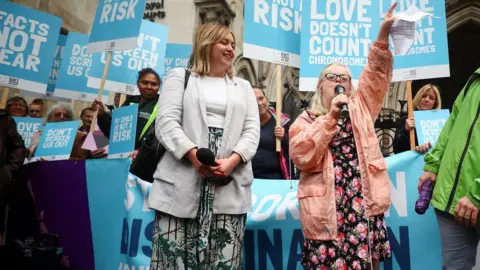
(316, 104)
(207, 35)
(438, 100)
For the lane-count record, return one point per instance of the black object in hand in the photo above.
(339, 89)
(206, 157)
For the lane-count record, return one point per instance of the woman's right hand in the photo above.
(204, 171)
(422, 149)
(98, 105)
(409, 124)
(336, 105)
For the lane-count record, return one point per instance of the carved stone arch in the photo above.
(244, 69)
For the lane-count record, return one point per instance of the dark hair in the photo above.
(261, 88)
(146, 71)
(37, 101)
(85, 110)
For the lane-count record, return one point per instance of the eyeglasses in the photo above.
(34, 111)
(21, 105)
(60, 114)
(344, 78)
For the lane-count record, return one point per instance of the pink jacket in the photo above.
(310, 151)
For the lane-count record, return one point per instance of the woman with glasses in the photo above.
(17, 106)
(344, 186)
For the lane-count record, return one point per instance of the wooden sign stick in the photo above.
(100, 91)
(410, 113)
(3, 103)
(278, 103)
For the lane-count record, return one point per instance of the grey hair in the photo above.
(52, 110)
(316, 105)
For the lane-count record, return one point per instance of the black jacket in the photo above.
(401, 142)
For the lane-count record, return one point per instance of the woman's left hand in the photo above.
(280, 132)
(226, 166)
(386, 25)
(422, 149)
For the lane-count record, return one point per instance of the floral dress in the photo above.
(351, 249)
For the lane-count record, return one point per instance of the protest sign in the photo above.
(57, 140)
(123, 72)
(281, 23)
(56, 64)
(74, 70)
(27, 127)
(123, 131)
(28, 41)
(177, 55)
(116, 25)
(429, 124)
(343, 31)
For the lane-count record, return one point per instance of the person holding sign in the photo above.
(148, 83)
(344, 187)
(427, 98)
(453, 166)
(216, 114)
(17, 106)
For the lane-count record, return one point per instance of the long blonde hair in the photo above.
(438, 100)
(316, 104)
(206, 36)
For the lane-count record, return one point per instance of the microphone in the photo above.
(206, 157)
(339, 89)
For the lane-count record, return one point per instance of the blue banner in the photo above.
(57, 140)
(28, 40)
(177, 56)
(123, 72)
(116, 25)
(74, 70)
(343, 31)
(123, 131)
(429, 124)
(56, 64)
(281, 22)
(27, 127)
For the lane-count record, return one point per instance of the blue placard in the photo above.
(56, 64)
(272, 31)
(27, 127)
(343, 31)
(57, 140)
(429, 124)
(74, 69)
(123, 131)
(116, 25)
(177, 56)
(28, 40)
(123, 71)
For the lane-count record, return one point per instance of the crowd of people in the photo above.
(344, 187)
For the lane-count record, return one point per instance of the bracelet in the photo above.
(381, 45)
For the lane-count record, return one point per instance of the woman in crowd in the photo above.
(344, 186)
(268, 163)
(61, 113)
(17, 106)
(200, 220)
(86, 116)
(427, 98)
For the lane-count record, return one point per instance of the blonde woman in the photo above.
(344, 186)
(427, 98)
(200, 221)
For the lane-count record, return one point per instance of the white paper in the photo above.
(403, 29)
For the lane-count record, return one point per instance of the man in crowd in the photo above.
(35, 109)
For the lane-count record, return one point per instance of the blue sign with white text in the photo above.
(343, 31)
(123, 131)
(177, 56)
(57, 140)
(123, 72)
(272, 31)
(429, 124)
(56, 64)
(27, 127)
(116, 25)
(75, 67)
(28, 41)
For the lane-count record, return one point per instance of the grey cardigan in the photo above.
(181, 125)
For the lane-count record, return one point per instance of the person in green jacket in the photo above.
(454, 166)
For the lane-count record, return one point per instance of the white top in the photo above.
(216, 99)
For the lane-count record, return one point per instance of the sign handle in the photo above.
(410, 113)
(123, 97)
(3, 103)
(100, 91)
(278, 103)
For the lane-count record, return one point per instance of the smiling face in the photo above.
(223, 52)
(427, 101)
(87, 118)
(261, 101)
(59, 115)
(148, 85)
(331, 77)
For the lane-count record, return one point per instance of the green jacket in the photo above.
(456, 156)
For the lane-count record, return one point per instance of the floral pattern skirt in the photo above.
(209, 241)
(359, 239)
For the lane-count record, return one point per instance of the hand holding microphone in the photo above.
(341, 101)
(207, 158)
